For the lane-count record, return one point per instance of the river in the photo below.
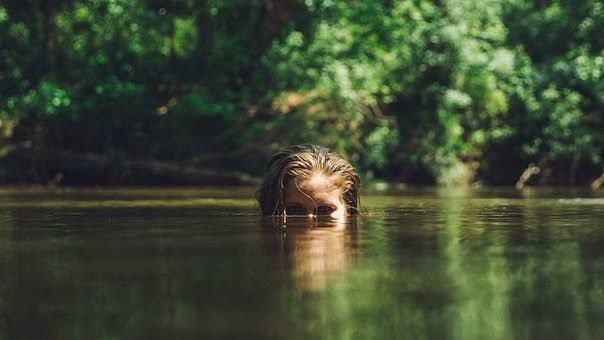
(200, 263)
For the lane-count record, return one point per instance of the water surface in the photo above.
(199, 263)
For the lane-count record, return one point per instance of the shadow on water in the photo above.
(165, 264)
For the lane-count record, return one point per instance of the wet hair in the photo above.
(302, 162)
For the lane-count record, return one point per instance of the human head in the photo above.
(308, 179)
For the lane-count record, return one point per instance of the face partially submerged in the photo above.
(308, 179)
(317, 196)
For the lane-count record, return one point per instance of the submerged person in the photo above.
(309, 180)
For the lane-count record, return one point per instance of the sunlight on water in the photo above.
(150, 263)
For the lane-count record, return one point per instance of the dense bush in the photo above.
(449, 92)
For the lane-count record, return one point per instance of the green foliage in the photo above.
(443, 92)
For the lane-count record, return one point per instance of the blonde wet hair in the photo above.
(302, 162)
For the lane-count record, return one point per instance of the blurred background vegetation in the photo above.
(449, 92)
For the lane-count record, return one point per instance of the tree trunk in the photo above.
(171, 33)
(596, 184)
(572, 174)
(276, 16)
(101, 168)
(204, 38)
(50, 10)
(526, 175)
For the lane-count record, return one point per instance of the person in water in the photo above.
(309, 180)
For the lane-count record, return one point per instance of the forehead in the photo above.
(317, 189)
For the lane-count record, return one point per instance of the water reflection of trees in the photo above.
(467, 269)
(519, 271)
(457, 268)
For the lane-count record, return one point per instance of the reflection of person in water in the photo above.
(309, 180)
(316, 257)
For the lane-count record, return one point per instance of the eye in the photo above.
(295, 210)
(324, 210)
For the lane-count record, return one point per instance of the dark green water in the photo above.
(144, 264)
